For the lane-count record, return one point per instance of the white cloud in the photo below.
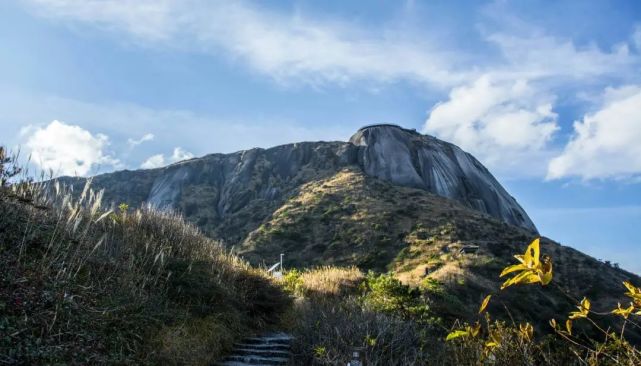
(157, 161)
(303, 47)
(67, 149)
(180, 154)
(146, 137)
(154, 161)
(279, 45)
(502, 123)
(606, 143)
(539, 55)
(152, 20)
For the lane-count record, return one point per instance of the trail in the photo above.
(271, 349)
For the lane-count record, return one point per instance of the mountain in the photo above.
(215, 189)
(389, 199)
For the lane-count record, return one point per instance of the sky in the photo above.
(546, 94)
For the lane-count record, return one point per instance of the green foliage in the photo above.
(432, 286)
(123, 207)
(292, 282)
(326, 332)
(386, 294)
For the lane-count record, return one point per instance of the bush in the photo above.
(327, 332)
(386, 294)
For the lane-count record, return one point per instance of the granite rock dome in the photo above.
(222, 192)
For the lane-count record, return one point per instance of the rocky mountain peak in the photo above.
(214, 189)
(408, 158)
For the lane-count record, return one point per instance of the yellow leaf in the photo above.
(633, 292)
(526, 331)
(491, 344)
(568, 326)
(474, 330)
(484, 303)
(631, 288)
(456, 334)
(584, 309)
(513, 268)
(546, 270)
(546, 278)
(531, 269)
(625, 313)
(531, 257)
(553, 323)
(519, 257)
(525, 277)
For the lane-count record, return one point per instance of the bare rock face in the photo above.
(229, 195)
(408, 158)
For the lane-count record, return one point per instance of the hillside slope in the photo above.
(351, 218)
(388, 200)
(131, 287)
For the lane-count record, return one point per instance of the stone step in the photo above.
(268, 350)
(273, 346)
(266, 361)
(268, 340)
(261, 352)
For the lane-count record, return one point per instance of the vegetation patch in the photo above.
(80, 285)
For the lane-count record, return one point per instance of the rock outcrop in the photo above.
(408, 158)
(229, 195)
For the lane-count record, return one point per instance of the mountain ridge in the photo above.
(386, 151)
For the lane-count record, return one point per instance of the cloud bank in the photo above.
(500, 122)
(285, 47)
(67, 149)
(607, 142)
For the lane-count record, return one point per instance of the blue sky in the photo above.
(546, 94)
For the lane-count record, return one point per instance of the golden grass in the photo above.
(329, 280)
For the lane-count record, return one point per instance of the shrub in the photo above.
(327, 332)
(386, 294)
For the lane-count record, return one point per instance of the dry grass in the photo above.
(84, 285)
(331, 281)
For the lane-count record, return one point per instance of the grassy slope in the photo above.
(353, 219)
(137, 287)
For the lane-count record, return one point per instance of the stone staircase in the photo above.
(268, 350)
